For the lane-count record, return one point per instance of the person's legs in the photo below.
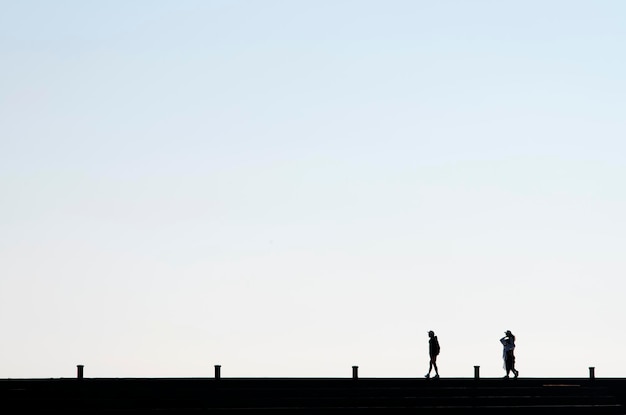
(508, 363)
(432, 363)
(515, 371)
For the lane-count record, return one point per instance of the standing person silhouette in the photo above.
(508, 342)
(433, 351)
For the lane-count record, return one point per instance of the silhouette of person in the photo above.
(433, 351)
(508, 342)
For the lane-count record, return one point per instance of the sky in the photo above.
(292, 188)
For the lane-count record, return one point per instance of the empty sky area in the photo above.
(291, 188)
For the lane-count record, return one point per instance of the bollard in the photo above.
(218, 374)
(79, 371)
(355, 372)
(592, 372)
(476, 372)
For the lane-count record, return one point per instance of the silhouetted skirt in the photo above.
(509, 360)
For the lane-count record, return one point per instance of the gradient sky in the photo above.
(290, 188)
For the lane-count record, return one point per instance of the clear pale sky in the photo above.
(290, 188)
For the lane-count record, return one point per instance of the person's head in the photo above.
(508, 333)
(431, 334)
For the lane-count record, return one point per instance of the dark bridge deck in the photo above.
(314, 396)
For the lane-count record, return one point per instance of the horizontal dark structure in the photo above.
(240, 396)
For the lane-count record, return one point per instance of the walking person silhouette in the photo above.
(433, 351)
(508, 342)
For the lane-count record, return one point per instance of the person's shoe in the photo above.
(427, 376)
(436, 376)
(506, 377)
(516, 373)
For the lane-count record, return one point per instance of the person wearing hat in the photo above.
(508, 341)
(433, 351)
